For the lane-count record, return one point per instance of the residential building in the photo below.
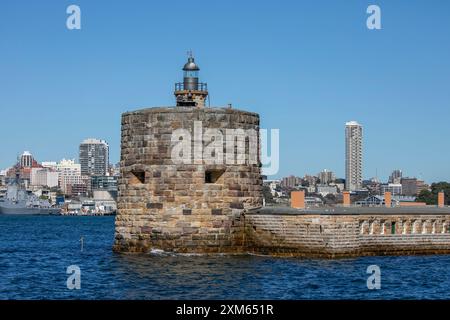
(325, 190)
(326, 177)
(69, 173)
(52, 165)
(44, 177)
(94, 157)
(291, 182)
(310, 180)
(77, 190)
(3, 177)
(26, 160)
(108, 183)
(393, 188)
(396, 176)
(412, 186)
(353, 155)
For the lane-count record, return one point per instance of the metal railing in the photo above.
(179, 86)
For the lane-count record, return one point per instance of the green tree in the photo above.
(267, 194)
(427, 197)
(431, 197)
(330, 199)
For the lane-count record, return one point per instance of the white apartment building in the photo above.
(353, 156)
(69, 173)
(325, 190)
(44, 177)
(326, 176)
(52, 165)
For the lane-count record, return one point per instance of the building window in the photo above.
(393, 227)
(212, 176)
(137, 177)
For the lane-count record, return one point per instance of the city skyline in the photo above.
(102, 142)
(329, 174)
(329, 68)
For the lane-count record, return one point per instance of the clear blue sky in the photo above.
(306, 66)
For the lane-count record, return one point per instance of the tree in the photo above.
(427, 197)
(431, 197)
(330, 199)
(267, 194)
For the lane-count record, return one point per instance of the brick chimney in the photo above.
(298, 199)
(347, 201)
(388, 199)
(441, 199)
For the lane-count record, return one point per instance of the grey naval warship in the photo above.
(18, 201)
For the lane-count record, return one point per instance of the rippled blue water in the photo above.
(35, 252)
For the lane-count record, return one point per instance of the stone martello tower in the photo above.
(187, 173)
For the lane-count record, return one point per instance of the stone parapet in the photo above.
(340, 235)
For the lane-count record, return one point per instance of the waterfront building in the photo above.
(44, 177)
(77, 190)
(105, 201)
(107, 183)
(94, 157)
(353, 155)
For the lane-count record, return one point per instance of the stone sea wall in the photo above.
(335, 236)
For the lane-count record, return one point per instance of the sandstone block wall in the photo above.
(173, 207)
(346, 235)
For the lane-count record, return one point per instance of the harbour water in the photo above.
(35, 252)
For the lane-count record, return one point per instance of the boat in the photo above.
(19, 201)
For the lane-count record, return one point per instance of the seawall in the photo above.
(347, 232)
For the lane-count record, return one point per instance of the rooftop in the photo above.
(93, 141)
(352, 123)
